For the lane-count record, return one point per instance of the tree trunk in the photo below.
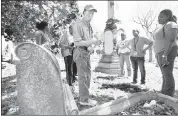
(150, 36)
(150, 55)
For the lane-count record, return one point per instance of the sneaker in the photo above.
(142, 83)
(134, 82)
(143, 86)
(89, 103)
(74, 79)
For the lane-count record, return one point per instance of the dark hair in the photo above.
(136, 31)
(168, 12)
(174, 18)
(8, 31)
(41, 25)
(71, 16)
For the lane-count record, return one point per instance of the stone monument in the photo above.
(39, 83)
(109, 62)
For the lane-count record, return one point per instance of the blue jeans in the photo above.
(138, 61)
(168, 86)
(82, 59)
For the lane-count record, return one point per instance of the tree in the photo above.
(19, 17)
(147, 21)
(148, 12)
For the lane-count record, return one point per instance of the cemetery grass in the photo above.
(104, 88)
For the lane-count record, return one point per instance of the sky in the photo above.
(125, 11)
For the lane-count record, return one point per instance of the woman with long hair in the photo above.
(165, 48)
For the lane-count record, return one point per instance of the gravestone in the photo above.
(39, 83)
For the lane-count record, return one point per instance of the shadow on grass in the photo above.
(63, 70)
(7, 86)
(127, 87)
(8, 78)
(107, 77)
(7, 104)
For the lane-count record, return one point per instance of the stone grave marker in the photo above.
(39, 84)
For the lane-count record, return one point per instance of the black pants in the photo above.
(138, 61)
(68, 65)
(168, 85)
(71, 69)
(74, 68)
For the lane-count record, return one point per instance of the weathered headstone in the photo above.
(39, 84)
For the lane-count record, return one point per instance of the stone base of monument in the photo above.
(107, 71)
(109, 64)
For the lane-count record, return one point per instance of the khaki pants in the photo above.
(125, 58)
(82, 59)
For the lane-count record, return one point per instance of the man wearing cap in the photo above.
(137, 55)
(83, 40)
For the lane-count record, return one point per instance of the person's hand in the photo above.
(144, 51)
(97, 42)
(70, 47)
(164, 61)
(96, 36)
(90, 49)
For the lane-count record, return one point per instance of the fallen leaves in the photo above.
(149, 108)
(127, 87)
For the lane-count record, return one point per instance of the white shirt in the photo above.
(122, 46)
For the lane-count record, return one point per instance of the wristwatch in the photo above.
(164, 56)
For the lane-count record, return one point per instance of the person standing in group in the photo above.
(165, 49)
(74, 66)
(41, 36)
(123, 51)
(83, 40)
(137, 55)
(66, 51)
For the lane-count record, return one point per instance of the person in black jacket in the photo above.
(74, 66)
